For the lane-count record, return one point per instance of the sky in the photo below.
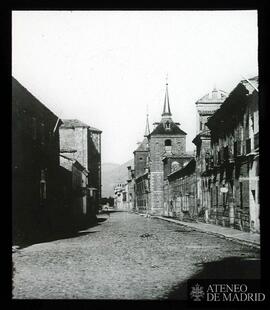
(108, 68)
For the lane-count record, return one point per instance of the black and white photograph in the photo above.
(135, 155)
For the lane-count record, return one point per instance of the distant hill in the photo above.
(113, 174)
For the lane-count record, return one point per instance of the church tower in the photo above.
(166, 139)
(141, 153)
(207, 106)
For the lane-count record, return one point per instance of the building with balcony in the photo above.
(206, 107)
(233, 162)
(120, 196)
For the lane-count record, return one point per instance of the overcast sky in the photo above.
(105, 67)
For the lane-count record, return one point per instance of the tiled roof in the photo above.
(233, 107)
(174, 130)
(27, 99)
(216, 95)
(94, 129)
(69, 123)
(202, 133)
(254, 81)
(73, 123)
(185, 171)
(143, 147)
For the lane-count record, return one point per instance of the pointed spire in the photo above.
(166, 107)
(147, 129)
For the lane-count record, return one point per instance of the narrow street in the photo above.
(128, 256)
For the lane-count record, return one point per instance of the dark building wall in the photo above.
(140, 160)
(180, 192)
(83, 145)
(35, 164)
(94, 161)
(142, 193)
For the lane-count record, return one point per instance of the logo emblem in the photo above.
(197, 292)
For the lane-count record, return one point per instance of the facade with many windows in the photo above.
(233, 165)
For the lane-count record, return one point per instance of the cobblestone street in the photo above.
(128, 256)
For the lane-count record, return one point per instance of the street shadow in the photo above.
(64, 234)
(101, 212)
(227, 268)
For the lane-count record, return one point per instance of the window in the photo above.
(241, 195)
(168, 142)
(43, 189)
(235, 153)
(256, 140)
(226, 153)
(247, 121)
(168, 145)
(167, 125)
(248, 146)
(253, 194)
(252, 121)
(216, 196)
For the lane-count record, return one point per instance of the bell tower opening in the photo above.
(168, 145)
(167, 125)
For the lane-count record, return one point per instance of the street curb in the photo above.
(220, 235)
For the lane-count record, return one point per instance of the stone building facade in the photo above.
(233, 165)
(178, 173)
(81, 142)
(141, 175)
(75, 178)
(206, 107)
(221, 184)
(120, 196)
(131, 189)
(167, 139)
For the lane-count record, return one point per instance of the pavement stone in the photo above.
(128, 256)
(247, 238)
